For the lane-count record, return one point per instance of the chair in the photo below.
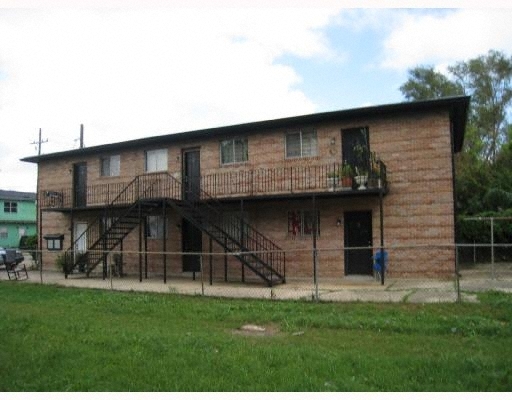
(14, 270)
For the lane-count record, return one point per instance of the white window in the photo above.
(54, 244)
(156, 160)
(301, 144)
(111, 165)
(155, 227)
(234, 151)
(4, 234)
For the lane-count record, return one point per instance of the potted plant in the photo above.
(64, 262)
(81, 260)
(361, 176)
(346, 176)
(374, 176)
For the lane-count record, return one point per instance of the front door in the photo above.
(80, 237)
(192, 242)
(191, 175)
(80, 184)
(358, 234)
(192, 237)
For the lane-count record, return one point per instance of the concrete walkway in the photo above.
(364, 289)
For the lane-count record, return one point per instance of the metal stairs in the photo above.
(145, 194)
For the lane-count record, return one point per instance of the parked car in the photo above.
(19, 256)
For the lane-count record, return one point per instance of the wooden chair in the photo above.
(14, 270)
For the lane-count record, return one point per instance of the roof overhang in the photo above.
(456, 106)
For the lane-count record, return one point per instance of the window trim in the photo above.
(300, 132)
(233, 150)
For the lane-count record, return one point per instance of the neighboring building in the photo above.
(17, 217)
(264, 193)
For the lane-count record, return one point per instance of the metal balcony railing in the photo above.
(243, 182)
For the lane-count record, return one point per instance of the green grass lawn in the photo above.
(64, 339)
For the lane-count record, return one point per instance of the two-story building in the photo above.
(17, 217)
(257, 198)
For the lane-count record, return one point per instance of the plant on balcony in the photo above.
(374, 175)
(362, 165)
(343, 174)
(346, 173)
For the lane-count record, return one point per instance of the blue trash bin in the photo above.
(380, 261)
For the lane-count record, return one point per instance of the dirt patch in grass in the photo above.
(256, 330)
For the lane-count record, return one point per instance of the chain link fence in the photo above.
(416, 274)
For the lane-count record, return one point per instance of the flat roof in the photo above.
(457, 107)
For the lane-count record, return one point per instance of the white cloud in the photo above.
(130, 73)
(446, 37)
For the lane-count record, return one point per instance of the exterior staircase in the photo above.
(144, 195)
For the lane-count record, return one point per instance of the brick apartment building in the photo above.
(261, 196)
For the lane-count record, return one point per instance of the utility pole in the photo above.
(81, 136)
(39, 259)
(39, 143)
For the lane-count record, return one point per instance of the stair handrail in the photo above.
(262, 243)
(264, 246)
(92, 233)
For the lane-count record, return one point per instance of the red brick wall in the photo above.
(418, 210)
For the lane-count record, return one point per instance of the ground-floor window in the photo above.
(4, 234)
(54, 242)
(302, 222)
(155, 227)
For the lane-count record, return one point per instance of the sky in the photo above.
(132, 69)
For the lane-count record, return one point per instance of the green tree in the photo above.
(488, 80)
(425, 83)
(484, 168)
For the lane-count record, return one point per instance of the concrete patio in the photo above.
(358, 288)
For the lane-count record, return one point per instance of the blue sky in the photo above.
(134, 69)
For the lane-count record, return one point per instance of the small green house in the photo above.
(17, 217)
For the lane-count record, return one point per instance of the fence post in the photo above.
(110, 275)
(457, 274)
(493, 273)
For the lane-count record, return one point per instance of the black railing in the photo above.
(238, 183)
(243, 239)
(247, 240)
(140, 188)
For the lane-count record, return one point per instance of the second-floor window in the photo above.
(10, 207)
(234, 151)
(301, 143)
(156, 160)
(111, 165)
